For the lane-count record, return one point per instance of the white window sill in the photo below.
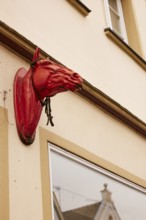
(115, 38)
(80, 6)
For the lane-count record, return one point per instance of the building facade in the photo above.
(105, 42)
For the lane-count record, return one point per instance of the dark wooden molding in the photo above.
(18, 44)
(117, 111)
(132, 53)
(80, 6)
(24, 48)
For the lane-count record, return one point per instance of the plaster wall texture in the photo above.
(80, 43)
(140, 8)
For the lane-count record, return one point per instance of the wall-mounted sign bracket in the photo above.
(44, 78)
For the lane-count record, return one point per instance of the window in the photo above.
(73, 178)
(122, 28)
(115, 18)
(82, 190)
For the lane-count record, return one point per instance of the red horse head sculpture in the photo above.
(45, 78)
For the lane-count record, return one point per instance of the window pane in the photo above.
(113, 4)
(115, 19)
(82, 190)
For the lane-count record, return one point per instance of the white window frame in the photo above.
(123, 34)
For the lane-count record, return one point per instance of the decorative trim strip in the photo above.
(103, 101)
(113, 36)
(4, 166)
(19, 44)
(80, 6)
(24, 48)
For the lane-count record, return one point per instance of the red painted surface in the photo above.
(44, 79)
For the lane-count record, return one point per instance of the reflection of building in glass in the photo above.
(103, 210)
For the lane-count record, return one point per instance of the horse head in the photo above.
(50, 78)
(45, 78)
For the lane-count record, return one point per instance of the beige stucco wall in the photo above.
(140, 7)
(80, 43)
(76, 121)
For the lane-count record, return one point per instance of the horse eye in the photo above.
(75, 75)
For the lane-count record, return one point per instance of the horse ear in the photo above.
(36, 54)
